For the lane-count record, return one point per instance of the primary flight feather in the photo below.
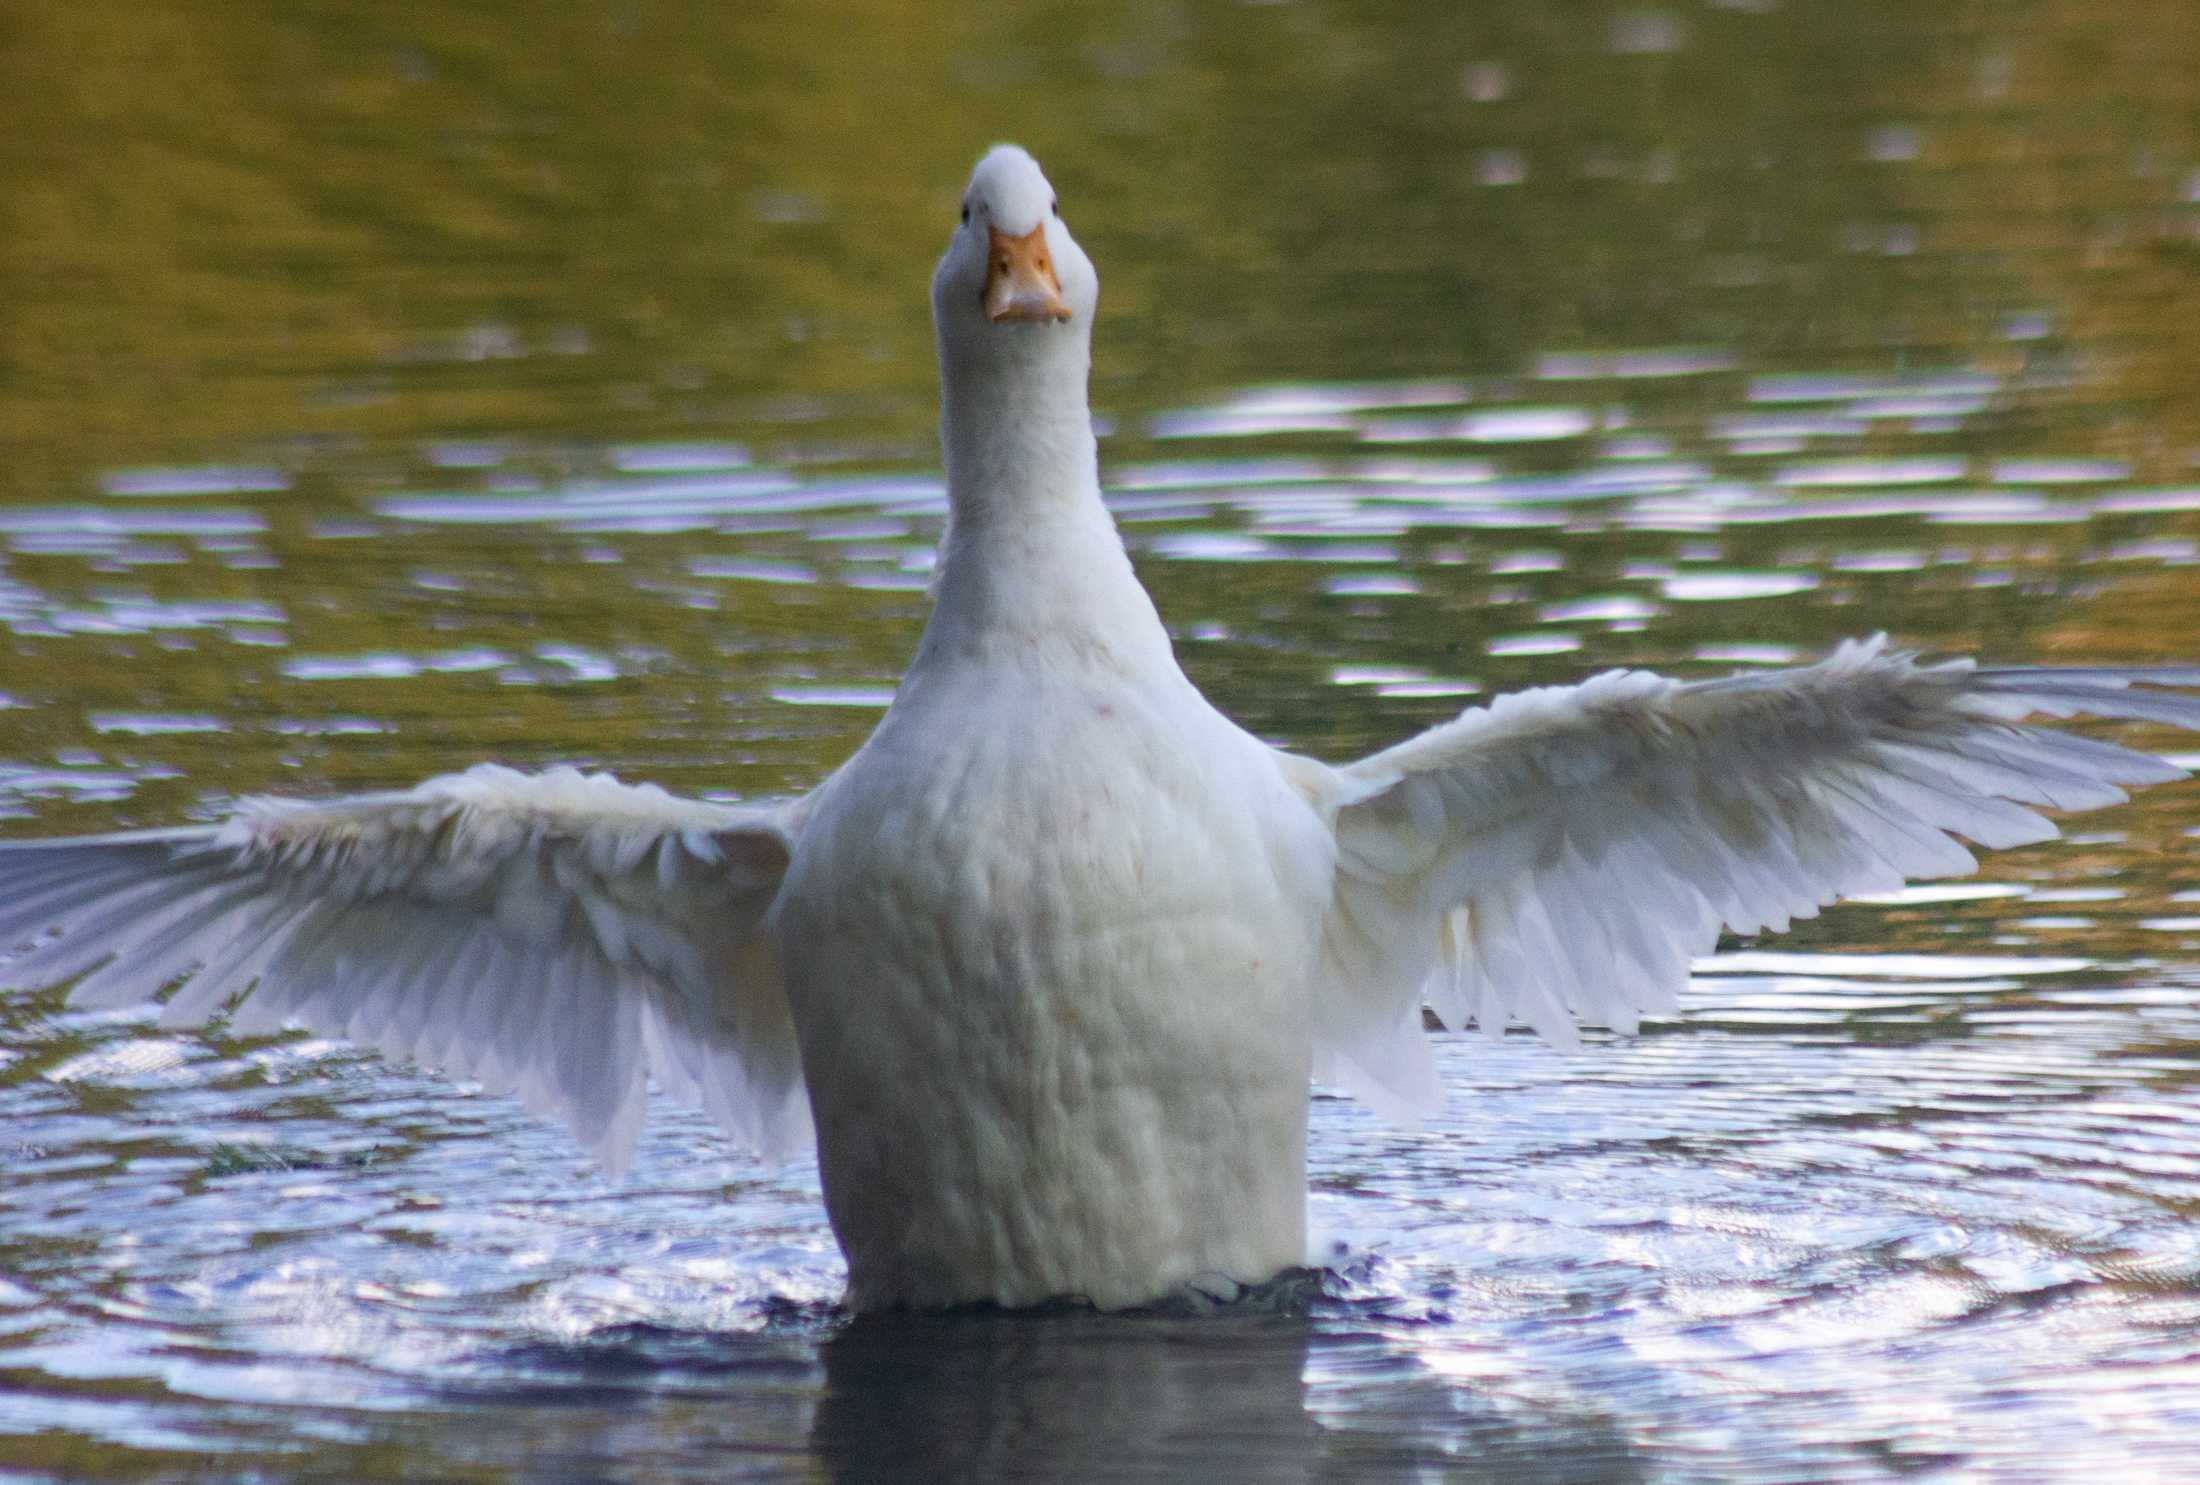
(1046, 967)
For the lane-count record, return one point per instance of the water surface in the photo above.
(387, 394)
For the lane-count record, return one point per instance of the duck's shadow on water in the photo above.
(1194, 1391)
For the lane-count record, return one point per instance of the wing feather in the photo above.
(1563, 854)
(560, 935)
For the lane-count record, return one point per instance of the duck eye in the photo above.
(1055, 206)
(966, 213)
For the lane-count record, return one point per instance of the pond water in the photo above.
(387, 392)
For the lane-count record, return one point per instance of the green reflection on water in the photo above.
(334, 228)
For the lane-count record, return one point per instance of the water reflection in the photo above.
(1066, 1397)
(1309, 1394)
(1089, 1397)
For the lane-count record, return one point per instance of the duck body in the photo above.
(1088, 1009)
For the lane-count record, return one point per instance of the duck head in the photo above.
(1013, 290)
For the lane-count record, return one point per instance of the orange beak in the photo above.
(1019, 278)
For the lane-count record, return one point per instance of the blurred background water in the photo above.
(388, 387)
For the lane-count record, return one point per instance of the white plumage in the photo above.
(1047, 965)
(561, 936)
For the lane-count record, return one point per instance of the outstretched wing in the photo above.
(1562, 854)
(557, 935)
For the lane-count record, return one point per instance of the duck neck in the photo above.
(1018, 441)
(1030, 546)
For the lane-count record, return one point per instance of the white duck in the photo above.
(1049, 962)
